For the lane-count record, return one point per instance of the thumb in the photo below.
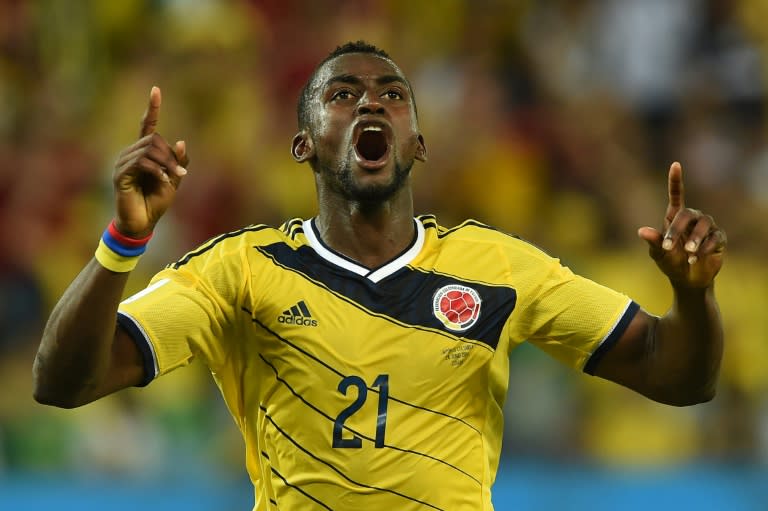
(654, 238)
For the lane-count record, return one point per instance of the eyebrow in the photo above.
(355, 80)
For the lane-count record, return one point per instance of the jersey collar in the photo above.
(375, 274)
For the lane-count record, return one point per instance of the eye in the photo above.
(393, 94)
(342, 94)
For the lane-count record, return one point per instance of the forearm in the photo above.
(83, 355)
(687, 347)
(75, 350)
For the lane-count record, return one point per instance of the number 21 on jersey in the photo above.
(382, 382)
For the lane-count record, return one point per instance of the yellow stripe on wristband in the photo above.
(114, 261)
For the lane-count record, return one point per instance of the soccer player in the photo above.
(363, 353)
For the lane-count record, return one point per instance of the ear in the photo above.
(302, 147)
(421, 150)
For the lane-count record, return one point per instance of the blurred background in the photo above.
(554, 120)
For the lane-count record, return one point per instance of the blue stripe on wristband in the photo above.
(122, 250)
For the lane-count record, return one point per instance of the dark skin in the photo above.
(83, 355)
(371, 232)
(366, 213)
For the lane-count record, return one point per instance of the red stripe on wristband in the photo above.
(125, 240)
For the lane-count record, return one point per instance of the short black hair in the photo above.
(360, 46)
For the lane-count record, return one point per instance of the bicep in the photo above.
(629, 360)
(126, 366)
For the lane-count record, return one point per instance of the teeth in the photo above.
(372, 128)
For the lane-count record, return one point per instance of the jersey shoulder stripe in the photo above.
(211, 243)
(470, 225)
(431, 221)
(293, 227)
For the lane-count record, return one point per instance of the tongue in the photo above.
(372, 145)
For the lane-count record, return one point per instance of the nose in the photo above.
(370, 105)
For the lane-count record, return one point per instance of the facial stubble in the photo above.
(374, 193)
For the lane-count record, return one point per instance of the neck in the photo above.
(371, 234)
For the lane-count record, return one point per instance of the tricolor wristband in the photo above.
(117, 252)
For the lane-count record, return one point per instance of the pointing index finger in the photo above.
(149, 121)
(675, 190)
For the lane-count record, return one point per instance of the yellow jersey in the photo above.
(369, 388)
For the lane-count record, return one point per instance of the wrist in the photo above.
(118, 252)
(123, 243)
(121, 229)
(686, 289)
(694, 298)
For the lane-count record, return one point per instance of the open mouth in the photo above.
(372, 145)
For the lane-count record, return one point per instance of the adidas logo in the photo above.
(297, 315)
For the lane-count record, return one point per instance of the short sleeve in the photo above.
(572, 318)
(185, 312)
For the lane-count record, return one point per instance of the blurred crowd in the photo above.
(553, 120)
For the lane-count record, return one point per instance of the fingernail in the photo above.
(181, 171)
(690, 246)
(692, 259)
(667, 244)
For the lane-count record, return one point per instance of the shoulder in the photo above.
(479, 235)
(240, 240)
(469, 229)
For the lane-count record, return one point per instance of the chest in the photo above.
(418, 326)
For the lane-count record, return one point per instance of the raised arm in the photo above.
(675, 359)
(83, 355)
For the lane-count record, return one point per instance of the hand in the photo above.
(147, 175)
(690, 251)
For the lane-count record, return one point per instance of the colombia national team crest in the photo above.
(457, 307)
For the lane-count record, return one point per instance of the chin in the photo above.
(378, 191)
(371, 193)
